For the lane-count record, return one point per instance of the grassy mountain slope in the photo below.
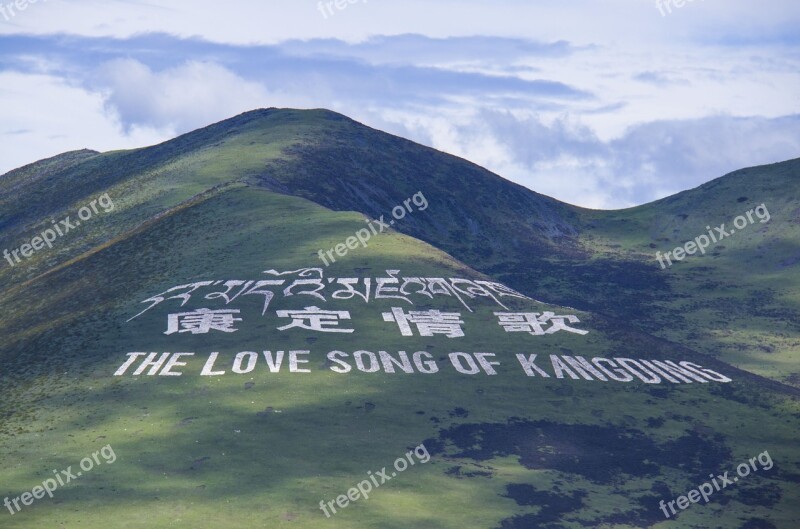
(572, 256)
(262, 449)
(741, 300)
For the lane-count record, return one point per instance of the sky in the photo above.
(603, 104)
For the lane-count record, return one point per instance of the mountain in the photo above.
(266, 418)
(577, 257)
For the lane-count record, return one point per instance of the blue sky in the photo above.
(601, 104)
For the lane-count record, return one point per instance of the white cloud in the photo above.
(602, 104)
(565, 160)
(626, 22)
(44, 115)
(183, 98)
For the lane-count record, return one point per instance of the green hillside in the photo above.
(605, 262)
(256, 198)
(740, 301)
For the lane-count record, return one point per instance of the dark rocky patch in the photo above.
(187, 421)
(197, 463)
(758, 523)
(599, 453)
(457, 473)
(662, 392)
(552, 507)
(764, 496)
(696, 454)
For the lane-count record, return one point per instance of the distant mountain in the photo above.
(239, 243)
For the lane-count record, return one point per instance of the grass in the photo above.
(262, 449)
(209, 452)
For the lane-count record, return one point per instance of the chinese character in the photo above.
(531, 322)
(202, 321)
(317, 319)
(428, 322)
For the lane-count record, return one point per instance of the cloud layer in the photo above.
(585, 112)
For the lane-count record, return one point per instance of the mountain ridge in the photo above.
(218, 438)
(545, 248)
